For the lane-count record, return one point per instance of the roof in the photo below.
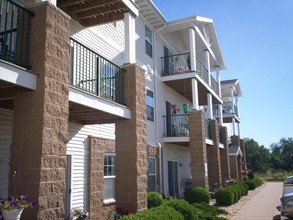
(232, 83)
(235, 150)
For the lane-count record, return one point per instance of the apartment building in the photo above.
(102, 101)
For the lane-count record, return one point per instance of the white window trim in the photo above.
(111, 200)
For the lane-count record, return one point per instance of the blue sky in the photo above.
(256, 38)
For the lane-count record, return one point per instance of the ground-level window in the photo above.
(150, 105)
(151, 174)
(109, 177)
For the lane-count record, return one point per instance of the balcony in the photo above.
(228, 113)
(14, 33)
(177, 74)
(97, 87)
(176, 129)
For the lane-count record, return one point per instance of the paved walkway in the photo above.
(263, 205)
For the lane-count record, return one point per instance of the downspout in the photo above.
(156, 114)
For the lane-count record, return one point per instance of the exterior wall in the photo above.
(181, 155)
(40, 129)
(6, 120)
(131, 148)
(98, 147)
(213, 155)
(198, 151)
(78, 148)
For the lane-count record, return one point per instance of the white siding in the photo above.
(102, 40)
(78, 148)
(6, 120)
(182, 156)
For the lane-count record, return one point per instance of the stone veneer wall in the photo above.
(198, 150)
(131, 147)
(242, 146)
(233, 166)
(213, 155)
(40, 125)
(98, 147)
(224, 155)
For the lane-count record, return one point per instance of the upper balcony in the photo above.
(176, 130)
(177, 74)
(14, 46)
(97, 87)
(227, 112)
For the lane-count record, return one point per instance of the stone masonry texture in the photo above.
(198, 150)
(40, 125)
(131, 147)
(224, 155)
(213, 155)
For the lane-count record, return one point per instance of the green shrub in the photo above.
(250, 175)
(208, 212)
(197, 195)
(251, 184)
(154, 199)
(258, 181)
(187, 211)
(224, 196)
(244, 188)
(157, 213)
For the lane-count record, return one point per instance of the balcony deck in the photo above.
(176, 73)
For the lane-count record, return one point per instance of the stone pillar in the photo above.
(131, 148)
(233, 166)
(213, 155)
(242, 147)
(235, 140)
(239, 167)
(40, 125)
(224, 155)
(198, 152)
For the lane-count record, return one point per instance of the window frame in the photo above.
(152, 174)
(148, 41)
(150, 105)
(109, 200)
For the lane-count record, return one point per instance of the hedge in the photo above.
(187, 211)
(154, 199)
(197, 195)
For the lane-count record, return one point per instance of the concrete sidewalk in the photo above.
(263, 205)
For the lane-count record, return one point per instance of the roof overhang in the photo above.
(226, 85)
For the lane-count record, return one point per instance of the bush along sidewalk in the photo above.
(231, 194)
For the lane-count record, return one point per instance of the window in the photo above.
(109, 177)
(151, 174)
(148, 41)
(150, 105)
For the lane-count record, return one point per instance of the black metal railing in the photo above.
(95, 74)
(14, 32)
(227, 110)
(176, 125)
(208, 129)
(215, 85)
(176, 64)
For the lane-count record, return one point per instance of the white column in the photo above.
(232, 103)
(207, 64)
(192, 48)
(195, 105)
(220, 106)
(129, 33)
(210, 106)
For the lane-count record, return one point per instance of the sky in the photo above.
(256, 40)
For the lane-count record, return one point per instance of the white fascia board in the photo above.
(221, 145)
(175, 139)
(94, 102)
(209, 142)
(132, 6)
(178, 77)
(18, 76)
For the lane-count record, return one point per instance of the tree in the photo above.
(258, 156)
(282, 154)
